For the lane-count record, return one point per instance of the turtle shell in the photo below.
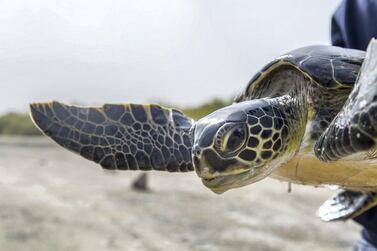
(330, 67)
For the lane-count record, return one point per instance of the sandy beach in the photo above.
(51, 199)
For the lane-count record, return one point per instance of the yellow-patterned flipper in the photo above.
(120, 136)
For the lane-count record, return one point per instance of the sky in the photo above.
(181, 52)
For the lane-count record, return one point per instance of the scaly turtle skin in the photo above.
(307, 117)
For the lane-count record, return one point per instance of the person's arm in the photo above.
(354, 23)
(369, 221)
(336, 31)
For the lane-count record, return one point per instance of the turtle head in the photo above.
(239, 144)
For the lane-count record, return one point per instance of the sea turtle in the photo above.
(307, 117)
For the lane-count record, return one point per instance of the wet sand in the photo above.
(52, 199)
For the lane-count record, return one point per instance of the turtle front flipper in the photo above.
(346, 205)
(120, 136)
(354, 129)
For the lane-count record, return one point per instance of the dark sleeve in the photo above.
(337, 38)
(354, 23)
(368, 220)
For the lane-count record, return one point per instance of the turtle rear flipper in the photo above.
(126, 137)
(354, 129)
(346, 205)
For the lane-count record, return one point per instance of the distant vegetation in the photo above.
(17, 124)
(205, 109)
(21, 124)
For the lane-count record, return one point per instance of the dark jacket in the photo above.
(353, 25)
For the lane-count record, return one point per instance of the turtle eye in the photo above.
(231, 138)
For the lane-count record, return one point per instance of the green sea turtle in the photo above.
(307, 117)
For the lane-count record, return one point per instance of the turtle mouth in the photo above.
(221, 184)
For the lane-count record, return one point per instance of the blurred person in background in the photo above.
(353, 25)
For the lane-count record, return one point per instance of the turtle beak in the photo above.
(237, 179)
(222, 184)
(202, 168)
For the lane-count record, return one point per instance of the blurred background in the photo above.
(191, 54)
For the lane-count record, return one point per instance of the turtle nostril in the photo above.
(196, 150)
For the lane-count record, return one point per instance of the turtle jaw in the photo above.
(221, 184)
(228, 174)
(239, 177)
